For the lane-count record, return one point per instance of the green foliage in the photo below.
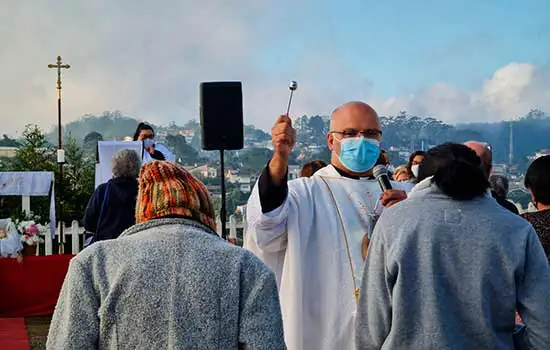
(35, 153)
(78, 180)
(111, 125)
(90, 144)
(185, 154)
(254, 159)
(251, 133)
(7, 142)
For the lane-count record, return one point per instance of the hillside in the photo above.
(403, 131)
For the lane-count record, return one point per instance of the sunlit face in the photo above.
(146, 134)
(417, 160)
(353, 122)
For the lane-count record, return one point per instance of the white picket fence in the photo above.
(74, 232)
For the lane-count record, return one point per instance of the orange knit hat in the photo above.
(166, 188)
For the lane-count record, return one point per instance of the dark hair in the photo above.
(499, 184)
(311, 167)
(411, 158)
(537, 179)
(456, 170)
(142, 126)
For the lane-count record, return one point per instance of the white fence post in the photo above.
(75, 237)
(76, 231)
(26, 204)
(232, 227)
(48, 244)
(218, 226)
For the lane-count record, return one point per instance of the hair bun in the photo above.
(461, 180)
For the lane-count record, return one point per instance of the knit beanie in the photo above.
(166, 188)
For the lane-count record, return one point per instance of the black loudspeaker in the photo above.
(221, 109)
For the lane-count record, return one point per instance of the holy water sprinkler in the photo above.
(293, 86)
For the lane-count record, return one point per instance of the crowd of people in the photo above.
(330, 261)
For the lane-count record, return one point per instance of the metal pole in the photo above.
(60, 154)
(223, 210)
(60, 170)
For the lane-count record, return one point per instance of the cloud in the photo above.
(511, 92)
(147, 59)
(144, 58)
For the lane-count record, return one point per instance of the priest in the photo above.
(314, 232)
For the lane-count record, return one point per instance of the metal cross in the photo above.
(59, 65)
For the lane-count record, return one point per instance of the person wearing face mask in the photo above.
(415, 160)
(314, 232)
(152, 150)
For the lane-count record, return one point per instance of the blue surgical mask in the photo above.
(148, 142)
(359, 154)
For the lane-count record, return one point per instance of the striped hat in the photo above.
(167, 189)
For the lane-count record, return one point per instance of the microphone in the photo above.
(293, 86)
(381, 174)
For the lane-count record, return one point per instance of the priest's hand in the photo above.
(391, 197)
(283, 137)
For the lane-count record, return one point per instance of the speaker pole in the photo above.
(223, 210)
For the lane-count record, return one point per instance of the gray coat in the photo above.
(444, 274)
(167, 284)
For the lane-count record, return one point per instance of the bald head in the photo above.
(353, 115)
(484, 152)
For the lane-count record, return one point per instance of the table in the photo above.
(31, 288)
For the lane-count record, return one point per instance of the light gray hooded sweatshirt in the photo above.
(167, 284)
(446, 274)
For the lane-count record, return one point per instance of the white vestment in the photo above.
(304, 244)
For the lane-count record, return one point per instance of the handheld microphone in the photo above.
(380, 172)
(293, 86)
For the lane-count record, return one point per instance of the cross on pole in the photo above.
(60, 154)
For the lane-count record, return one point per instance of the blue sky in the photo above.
(405, 45)
(458, 61)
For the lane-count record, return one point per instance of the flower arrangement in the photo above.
(29, 228)
(30, 232)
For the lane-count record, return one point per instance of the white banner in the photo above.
(29, 183)
(25, 183)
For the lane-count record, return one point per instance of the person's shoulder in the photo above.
(529, 216)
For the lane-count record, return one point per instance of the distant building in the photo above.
(499, 169)
(188, 134)
(8, 152)
(204, 171)
(244, 182)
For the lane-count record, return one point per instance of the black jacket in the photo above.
(118, 211)
(505, 203)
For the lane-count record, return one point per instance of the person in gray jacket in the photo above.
(169, 282)
(448, 267)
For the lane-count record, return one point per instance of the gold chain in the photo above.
(356, 291)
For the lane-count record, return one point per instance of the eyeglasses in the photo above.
(369, 133)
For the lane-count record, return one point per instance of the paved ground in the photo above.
(37, 328)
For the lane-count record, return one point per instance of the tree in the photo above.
(185, 154)
(254, 159)
(78, 180)
(7, 142)
(90, 144)
(35, 153)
